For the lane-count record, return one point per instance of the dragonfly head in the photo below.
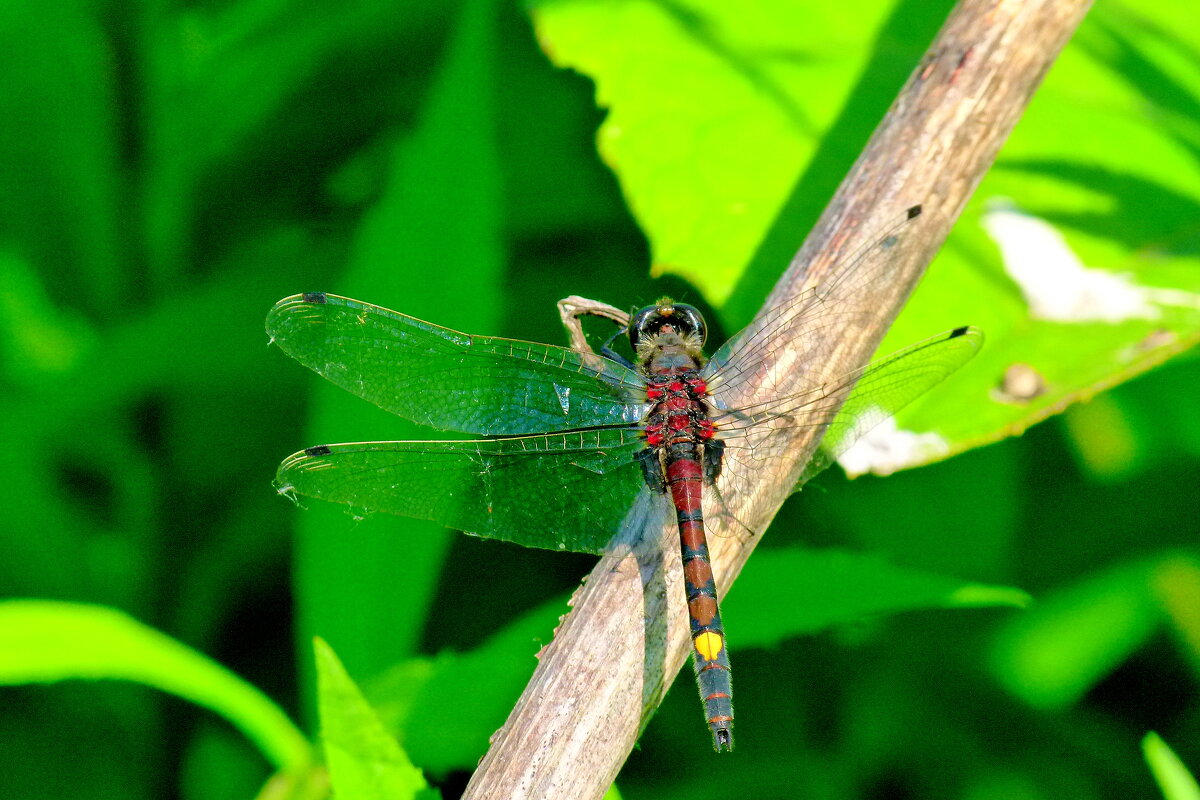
(668, 324)
(679, 318)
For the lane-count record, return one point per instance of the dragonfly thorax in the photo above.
(680, 413)
(669, 353)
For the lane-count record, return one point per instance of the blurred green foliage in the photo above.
(169, 171)
(363, 758)
(1173, 776)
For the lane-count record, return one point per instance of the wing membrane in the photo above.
(872, 395)
(828, 309)
(450, 380)
(567, 491)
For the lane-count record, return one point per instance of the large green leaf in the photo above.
(439, 215)
(714, 111)
(46, 642)
(1085, 275)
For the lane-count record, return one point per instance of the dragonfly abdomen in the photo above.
(683, 456)
(710, 657)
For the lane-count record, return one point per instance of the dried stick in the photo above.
(616, 653)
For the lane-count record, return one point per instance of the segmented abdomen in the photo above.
(710, 657)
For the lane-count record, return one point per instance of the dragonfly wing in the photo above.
(872, 394)
(565, 491)
(450, 380)
(821, 312)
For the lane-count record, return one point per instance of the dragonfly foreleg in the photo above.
(570, 309)
(607, 351)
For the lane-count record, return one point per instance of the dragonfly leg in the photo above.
(570, 309)
(608, 352)
(652, 469)
(714, 454)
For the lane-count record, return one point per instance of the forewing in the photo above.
(566, 491)
(872, 395)
(810, 325)
(450, 380)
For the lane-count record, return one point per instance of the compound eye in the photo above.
(644, 323)
(693, 319)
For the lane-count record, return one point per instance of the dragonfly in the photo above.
(570, 438)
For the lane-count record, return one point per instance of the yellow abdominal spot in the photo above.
(709, 645)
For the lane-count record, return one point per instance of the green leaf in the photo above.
(1176, 584)
(446, 728)
(44, 642)
(1051, 656)
(364, 761)
(1074, 256)
(432, 247)
(810, 590)
(447, 707)
(714, 111)
(244, 73)
(1170, 773)
(36, 337)
(61, 164)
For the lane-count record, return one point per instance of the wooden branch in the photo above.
(616, 653)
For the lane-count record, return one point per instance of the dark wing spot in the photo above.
(316, 298)
(914, 212)
(954, 334)
(319, 450)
